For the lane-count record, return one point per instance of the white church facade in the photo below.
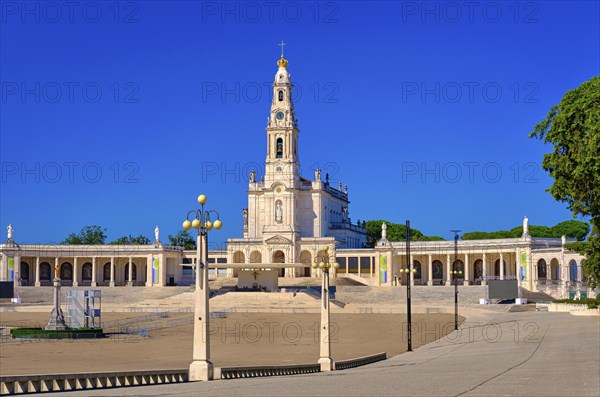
(287, 224)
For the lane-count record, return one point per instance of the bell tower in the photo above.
(282, 164)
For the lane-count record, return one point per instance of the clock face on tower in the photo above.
(279, 115)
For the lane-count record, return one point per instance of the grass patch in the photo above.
(40, 333)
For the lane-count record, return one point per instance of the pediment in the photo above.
(278, 240)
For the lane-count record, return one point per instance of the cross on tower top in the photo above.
(282, 44)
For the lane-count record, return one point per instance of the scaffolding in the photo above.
(84, 308)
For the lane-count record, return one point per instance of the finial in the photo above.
(282, 44)
(282, 62)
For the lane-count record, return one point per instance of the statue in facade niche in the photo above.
(278, 212)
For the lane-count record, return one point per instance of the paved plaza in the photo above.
(495, 354)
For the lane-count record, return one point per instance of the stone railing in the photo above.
(273, 370)
(88, 381)
(357, 362)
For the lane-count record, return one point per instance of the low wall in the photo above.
(357, 362)
(274, 370)
(88, 381)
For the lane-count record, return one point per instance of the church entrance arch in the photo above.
(279, 257)
(305, 259)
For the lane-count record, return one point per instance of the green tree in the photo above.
(89, 235)
(573, 128)
(129, 240)
(395, 232)
(571, 229)
(183, 239)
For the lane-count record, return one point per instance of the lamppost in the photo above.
(325, 347)
(408, 270)
(455, 272)
(201, 368)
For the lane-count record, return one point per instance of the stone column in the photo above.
(467, 269)
(548, 273)
(448, 270)
(149, 270)
(501, 266)
(358, 265)
(112, 271)
(430, 271)
(371, 260)
(75, 272)
(412, 275)
(17, 273)
(390, 267)
(56, 265)
(484, 260)
(3, 267)
(37, 271)
(517, 266)
(94, 283)
(162, 270)
(130, 273)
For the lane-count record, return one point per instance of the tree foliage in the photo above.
(395, 232)
(183, 239)
(130, 240)
(89, 235)
(573, 128)
(571, 229)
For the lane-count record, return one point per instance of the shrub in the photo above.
(40, 333)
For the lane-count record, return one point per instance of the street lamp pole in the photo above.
(325, 345)
(408, 271)
(201, 367)
(455, 273)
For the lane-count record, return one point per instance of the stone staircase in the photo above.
(437, 295)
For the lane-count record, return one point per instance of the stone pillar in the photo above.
(548, 273)
(448, 270)
(467, 269)
(37, 271)
(149, 270)
(371, 260)
(112, 271)
(358, 265)
(17, 273)
(3, 267)
(412, 275)
(484, 260)
(501, 266)
(346, 267)
(517, 266)
(162, 270)
(430, 271)
(390, 267)
(130, 273)
(325, 346)
(94, 283)
(75, 272)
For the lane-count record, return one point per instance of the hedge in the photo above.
(40, 333)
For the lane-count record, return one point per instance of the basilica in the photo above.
(289, 221)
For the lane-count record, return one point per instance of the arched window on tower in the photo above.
(279, 152)
(280, 96)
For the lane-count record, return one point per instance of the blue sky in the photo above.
(120, 113)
